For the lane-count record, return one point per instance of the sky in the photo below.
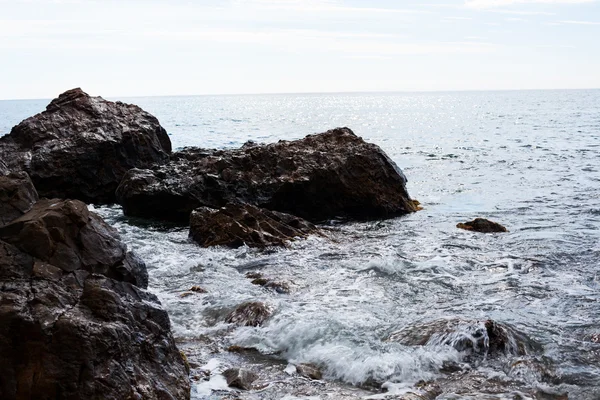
(150, 47)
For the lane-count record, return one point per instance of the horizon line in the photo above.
(316, 93)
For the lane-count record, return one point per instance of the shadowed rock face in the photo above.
(332, 174)
(17, 196)
(73, 323)
(81, 146)
(238, 224)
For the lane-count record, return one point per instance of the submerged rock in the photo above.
(238, 224)
(71, 324)
(327, 175)
(81, 146)
(240, 378)
(17, 196)
(471, 337)
(249, 314)
(482, 225)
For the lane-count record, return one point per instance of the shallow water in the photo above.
(526, 159)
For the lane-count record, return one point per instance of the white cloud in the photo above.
(483, 4)
(579, 22)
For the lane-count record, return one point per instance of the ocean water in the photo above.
(527, 159)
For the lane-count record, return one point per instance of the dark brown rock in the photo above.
(249, 314)
(67, 329)
(17, 196)
(482, 225)
(81, 146)
(240, 378)
(237, 224)
(67, 235)
(328, 175)
(310, 371)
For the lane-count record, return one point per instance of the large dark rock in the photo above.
(67, 329)
(238, 224)
(66, 234)
(81, 146)
(332, 174)
(17, 196)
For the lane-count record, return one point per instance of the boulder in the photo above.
(65, 234)
(310, 371)
(482, 225)
(237, 224)
(240, 378)
(323, 176)
(487, 338)
(67, 329)
(17, 196)
(249, 314)
(81, 146)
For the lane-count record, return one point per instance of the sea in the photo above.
(527, 159)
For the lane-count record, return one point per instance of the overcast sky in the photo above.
(177, 47)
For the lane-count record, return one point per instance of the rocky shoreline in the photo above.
(76, 319)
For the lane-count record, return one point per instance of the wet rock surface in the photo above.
(72, 326)
(310, 371)
(249, 314)
(81, 146)
(17, 196)
(240, 378)
(482, 225)
(242, 224)
(327, 175)
(65, 234)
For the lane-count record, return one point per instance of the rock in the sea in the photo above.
(240, 378)
(65, 234)
(482, 225)
(17, 196)
(310, 371)
(323, 176)
(67, 329)
(249, 314)
(471, 337)
(81, 146)
(237, 224)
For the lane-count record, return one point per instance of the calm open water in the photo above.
(528, 160)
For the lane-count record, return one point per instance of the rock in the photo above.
(249, 314)
(237, 224)
(323, 176)
(240, 378)
(81, 146)
(3, 169)
(68, 330)
(482, 225)
(279, 287)
(470, 337)
(65, 234)
(310, 371)
(17, 196)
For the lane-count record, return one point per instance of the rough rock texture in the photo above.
(249, 314)
(66, 234)
(3, 168)
(332, 174)
(238, 224)
(471, 337)
(68, 331)
(310, 371)
(81, 146)
(240, 378)
(482, 225)
(17, 196)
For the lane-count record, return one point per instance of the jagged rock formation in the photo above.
(17, 196)
(81, 146)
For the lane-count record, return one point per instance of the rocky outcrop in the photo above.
(240, 378)
(237, 224)
(249, 314)
(482, 225)
(74, 324)
(65, 234)
(17, 196)
(327, 175)
(81, 146)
